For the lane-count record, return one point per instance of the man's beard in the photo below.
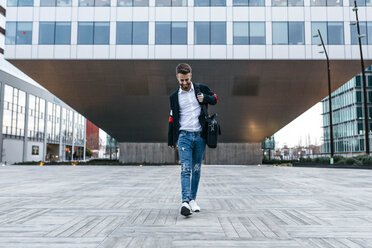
(186, 87)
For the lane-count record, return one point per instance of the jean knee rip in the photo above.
(197, 167)
(185, 168)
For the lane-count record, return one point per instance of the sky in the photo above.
(309, 124)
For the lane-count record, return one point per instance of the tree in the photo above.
(88, 152)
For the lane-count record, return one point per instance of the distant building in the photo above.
(93, 138)
(112, 147)
(348, 116)
(268, 147)
(36, 125)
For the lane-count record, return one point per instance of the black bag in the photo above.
(213, 129)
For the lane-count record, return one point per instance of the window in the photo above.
(63, 33)
(101, 33)
(10, 35)
(97, 3)
(241, 33)
(58, 3)
(210, 33)
(199, 3)
(18, 33)
(285, 3)
(249, 33)
(63, 3)
(12, 3)
(358, 96)
(354, 33)
(171, 33)
(35, 150)
(20, 3)
(162, 33)
(296, 33)
(46, 32)
(358, 81)
(326, 3)
(47, 2)
(102, 3)
(54, 33)
(257, 34)
(134, 3)
(128, 33)
(369, 35)
(53, 122)
(163, 3)
(322, 26)
(359, 113)
(179, 33)
(366, 29)
(280, 33)
(248, 2)
(202, 36)
(335, 33)
(288, 33)
(24, 33)
(14, 111)
(97, 33)
(218, 33)
(36, 117)
(318, 2)
(332, 32)
(170, 3)
(85, 33)
(86, 3)
(360, 3)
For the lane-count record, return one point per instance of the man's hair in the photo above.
(183, 69)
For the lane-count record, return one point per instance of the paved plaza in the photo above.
(132, 206)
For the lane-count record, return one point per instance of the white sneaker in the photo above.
(185, 209)
(194, 206)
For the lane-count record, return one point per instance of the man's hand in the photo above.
(171, 147)
(200, 97)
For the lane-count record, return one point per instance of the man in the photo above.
(187, 129)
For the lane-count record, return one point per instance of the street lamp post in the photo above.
(329, 94)
(360, 36)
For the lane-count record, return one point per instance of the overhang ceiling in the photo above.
(129, 99)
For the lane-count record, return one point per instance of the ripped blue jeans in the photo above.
(191, 149)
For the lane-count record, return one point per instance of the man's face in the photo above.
(185, 81)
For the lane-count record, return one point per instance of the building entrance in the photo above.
(52, 153)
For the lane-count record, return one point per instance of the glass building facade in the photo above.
(348, 116)
(36, 118)
(176, 33)
(36, 126)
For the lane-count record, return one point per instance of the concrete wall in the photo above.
(234, 153)
(146, 152)
(29, 156)
(225, 153)
(12, 151)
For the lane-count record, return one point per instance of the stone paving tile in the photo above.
(132, 206)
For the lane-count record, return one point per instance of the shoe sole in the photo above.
(185, 211)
